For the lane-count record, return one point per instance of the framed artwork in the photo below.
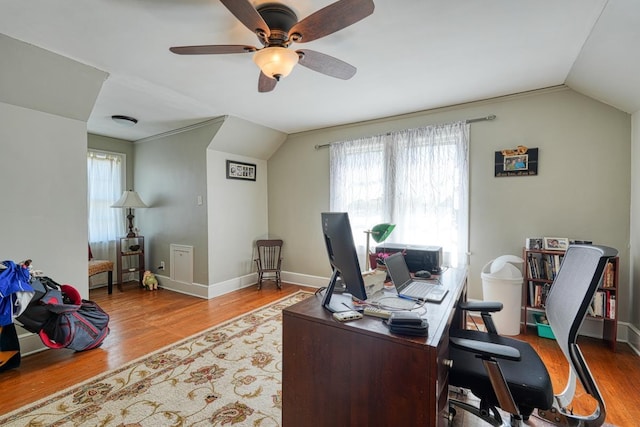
(556, 243)
(521, 161)
(241, 170)
(534, 243)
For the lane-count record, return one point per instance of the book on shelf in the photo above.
(603, 305)
(538, 294)
(535, 268)
(607, 277)
(612, 307)
(597, 304)
(544, 266)
(532, 287)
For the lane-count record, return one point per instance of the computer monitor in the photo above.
(344, 261)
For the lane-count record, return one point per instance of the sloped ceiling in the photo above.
(608, 67)
(40, 80)
(411, 55)
(246, 139)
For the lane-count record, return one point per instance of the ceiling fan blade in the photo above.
(248, 15)
(212, 49)
(325, 64)
(330, 19)
(266, 84)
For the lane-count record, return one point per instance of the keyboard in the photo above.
(418, 290)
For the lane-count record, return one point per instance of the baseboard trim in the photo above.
(221, 288)
(633, 337)
(30, 343)
(192, 289)
(305, 279)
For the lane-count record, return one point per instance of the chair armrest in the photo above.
(486, 349)
(485, 306)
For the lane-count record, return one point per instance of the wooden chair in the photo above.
(269, 260)
(97, 266)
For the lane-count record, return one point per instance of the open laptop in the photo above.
(409, 287)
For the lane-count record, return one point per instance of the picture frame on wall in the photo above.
(556, 243)
(241, 170)
(520, 161)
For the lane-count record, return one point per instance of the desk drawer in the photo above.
(442, 362)
(442, 384)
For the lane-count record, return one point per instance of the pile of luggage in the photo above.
(57, 313)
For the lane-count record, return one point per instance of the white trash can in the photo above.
(502, 282)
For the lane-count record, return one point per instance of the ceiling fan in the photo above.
(277, 26)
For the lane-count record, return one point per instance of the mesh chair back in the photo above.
(568, 301)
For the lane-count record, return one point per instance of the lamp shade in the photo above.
(129, 199)
(276, 62)
(380, 232)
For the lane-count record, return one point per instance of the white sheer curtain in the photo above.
(105, 186)
(415, 178)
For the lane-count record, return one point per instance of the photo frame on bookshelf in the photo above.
(556, 243)
(533, 243)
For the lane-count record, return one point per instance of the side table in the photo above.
(131, 248)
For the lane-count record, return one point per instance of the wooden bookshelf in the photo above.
(540, 269)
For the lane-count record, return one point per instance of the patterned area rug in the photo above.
(227, 375)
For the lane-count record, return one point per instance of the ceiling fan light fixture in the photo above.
(276, 62)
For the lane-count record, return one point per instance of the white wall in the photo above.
(183, 177)
(45, 101)
(170, 173)
(43, 213)
(237, 217)
(581, 192)
(634, 296)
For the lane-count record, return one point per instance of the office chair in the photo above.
(269, 260)
(507, 373)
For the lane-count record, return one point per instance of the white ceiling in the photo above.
(411, 55)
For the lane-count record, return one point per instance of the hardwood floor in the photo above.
(143, 321)
(617, 376)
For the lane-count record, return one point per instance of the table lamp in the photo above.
(379, 232)
(129, 200)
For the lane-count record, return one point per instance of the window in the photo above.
(415, 178)
(105, 186)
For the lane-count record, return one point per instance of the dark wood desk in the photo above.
(359, 374)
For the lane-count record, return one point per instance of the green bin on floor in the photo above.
(544, 330)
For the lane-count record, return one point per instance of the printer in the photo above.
(417, 257)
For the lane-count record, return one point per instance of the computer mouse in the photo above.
(423, 274)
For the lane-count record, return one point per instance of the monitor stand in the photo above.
(336, 303)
